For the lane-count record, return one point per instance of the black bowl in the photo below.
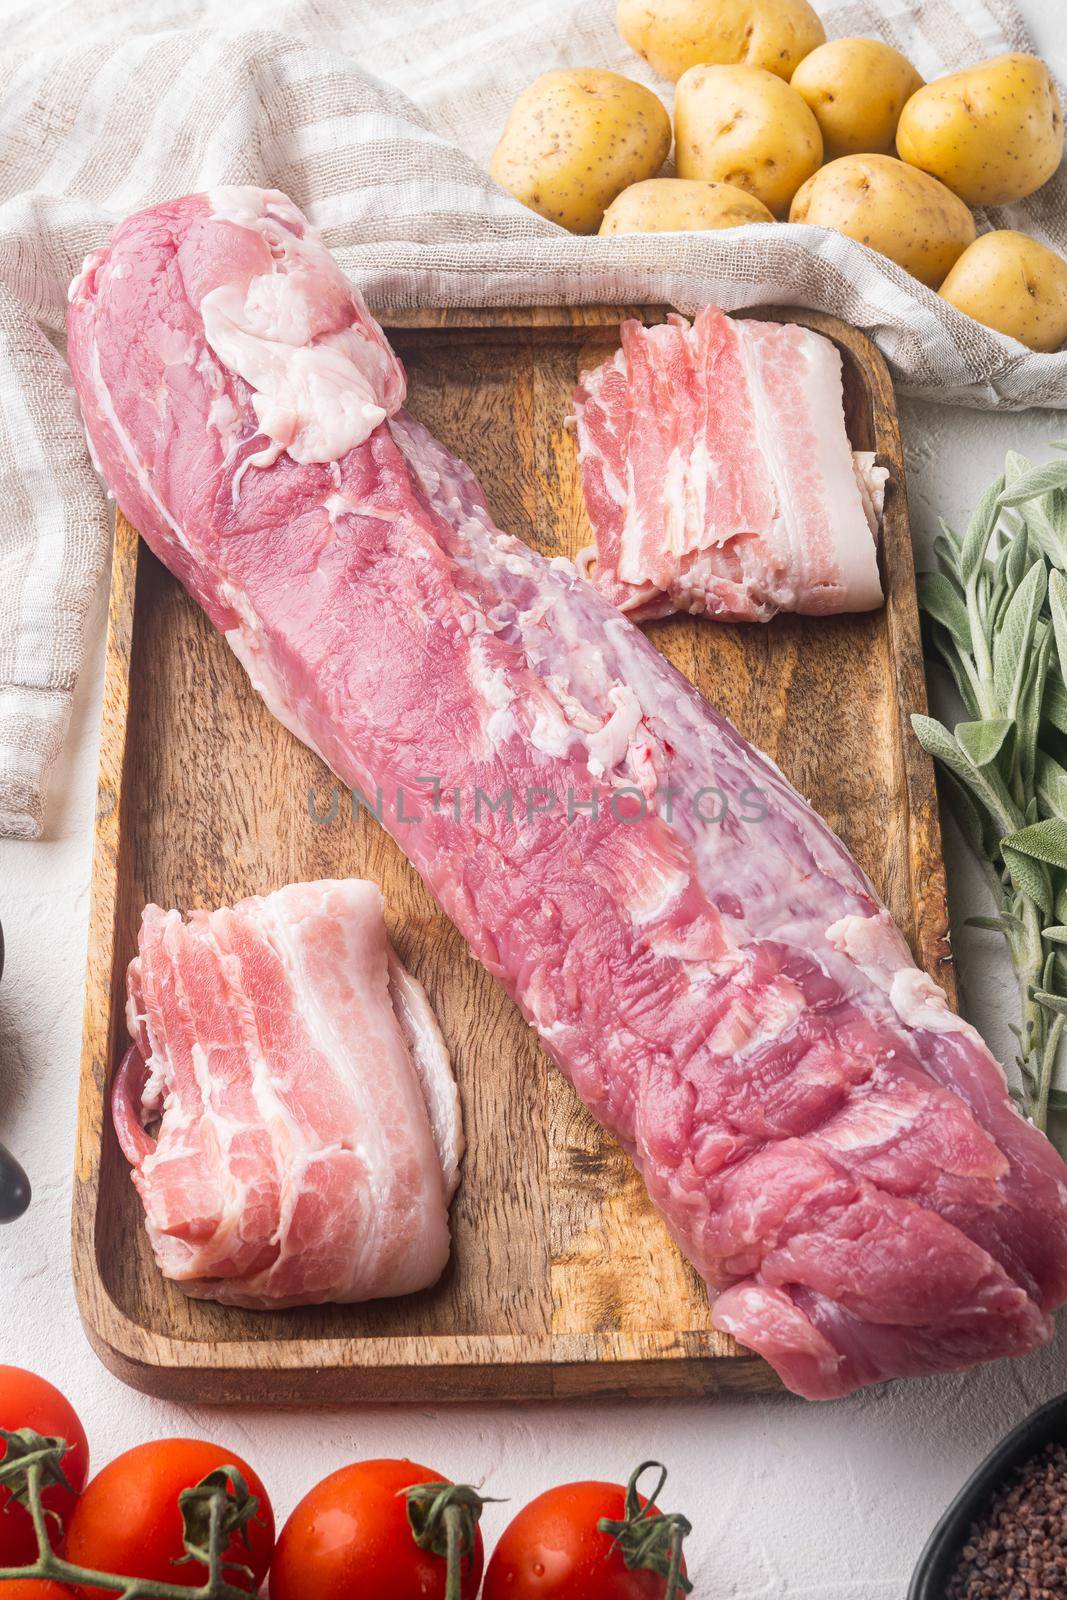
(1048, 1425)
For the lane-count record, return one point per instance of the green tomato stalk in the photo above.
(443, 1518)
(649, 1540)
(212, 1512)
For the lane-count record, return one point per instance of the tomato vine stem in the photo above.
(453, 1542)
(443, 1518)
(33, 1461)
(649, 1539)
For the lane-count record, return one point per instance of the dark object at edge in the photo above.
(14, 1187)
(1047, 1425)
(14, 1184)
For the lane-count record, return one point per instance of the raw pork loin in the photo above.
(831, 1146)
(309, 1131)
(718, 475)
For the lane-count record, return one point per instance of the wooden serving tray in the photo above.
(562, 1280)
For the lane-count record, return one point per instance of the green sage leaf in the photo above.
(937, 741)
(982, 742)
(1031, 484)
(980, 531)
(1050, 781)
(1054, 508)
(1006, 924)
(1051, 1002)
(1034, 511)
(1019, 559)
(1000, 566)
(940, 599)
(947, 552)
(1044, 531)
(1029, 877)
(1042, 841)
(1057, 605)
(1054, 706)
(985, 783)
(952, 659)
(969, 818)
(1015, 636)
(1029, 719)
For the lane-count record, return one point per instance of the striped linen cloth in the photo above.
(378, 117)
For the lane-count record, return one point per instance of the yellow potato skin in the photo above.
(1012, 284)
(674, 35)
(681, 205)
(744, 126)
(856, 89)
(905, 214)
(575, 139)
(993, 133)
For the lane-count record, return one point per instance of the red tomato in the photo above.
(553, 1550)
(128, 1521)
(350, 1536)
(27, 1401)
(35, 1589)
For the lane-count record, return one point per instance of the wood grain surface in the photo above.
(562, 1281)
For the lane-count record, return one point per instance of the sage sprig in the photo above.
(995, 617)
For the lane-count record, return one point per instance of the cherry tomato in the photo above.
(350, 1537)
(27, 1401)
(553, 1550)
(35, 1589)
(128, 1520)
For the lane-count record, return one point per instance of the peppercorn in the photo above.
(1017, 1548)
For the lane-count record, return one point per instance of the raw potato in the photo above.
(857, 89)
(1013, 284)
(744, 126)
(904, 213)
(993, 133)
(575, 139)
(674, 35)
(681, 205)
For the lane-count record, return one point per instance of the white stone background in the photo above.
(828, 1502)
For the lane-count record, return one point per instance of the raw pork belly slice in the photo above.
(308, 1134)
(831, 1146)
(718, 475)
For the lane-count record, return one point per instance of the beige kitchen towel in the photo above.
(378, 117)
